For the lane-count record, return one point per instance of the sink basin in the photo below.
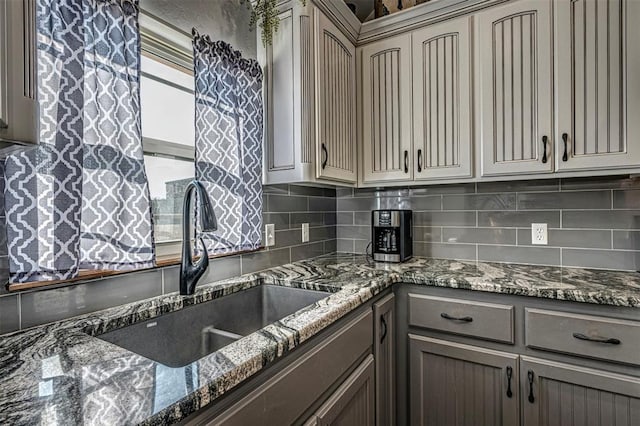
(179, 338)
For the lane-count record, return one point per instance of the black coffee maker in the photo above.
(392, 235)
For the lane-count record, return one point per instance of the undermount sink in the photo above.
(179, 338)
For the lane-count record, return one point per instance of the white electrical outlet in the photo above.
(270, 235)
(539, 233)
(305, 232)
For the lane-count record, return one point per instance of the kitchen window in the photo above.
(168, 134)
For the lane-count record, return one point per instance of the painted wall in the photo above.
(226, 20)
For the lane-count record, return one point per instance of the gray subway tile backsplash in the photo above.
(444, 218)
(581, 238)
(602, 259)
(501, 219)
(445, 251)
(491, 221)
(479, 235)
(578, 200)
(519, 186)
(47, 305)
(602, 219)
(9, 313)
(518, 254)
(479, 202)
(628, 199)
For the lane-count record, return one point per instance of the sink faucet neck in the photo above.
(190, 273)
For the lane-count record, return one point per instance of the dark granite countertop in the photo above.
(60, 374)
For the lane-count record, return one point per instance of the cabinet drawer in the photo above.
(476, 319)
(611, 339)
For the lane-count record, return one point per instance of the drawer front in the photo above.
(487, 321)
(611, 339)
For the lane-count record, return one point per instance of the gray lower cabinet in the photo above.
(352, 403)
(456, 384)
(291, 392)
(561, 394)
(384, 352)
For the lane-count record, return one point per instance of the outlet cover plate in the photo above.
(539, 234)
(305, 232)
(270, 235)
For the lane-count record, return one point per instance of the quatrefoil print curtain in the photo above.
(229, 118)
(80, 199)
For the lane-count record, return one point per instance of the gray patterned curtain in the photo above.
(229, 118)
(80, 199)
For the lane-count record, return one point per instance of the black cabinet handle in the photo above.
(326, 156)
(565, 156)
(610, 341)
(383, 323)
(419, 160)
(530, 378)
(449, 317)
(544, 149)
(406, 161)
(509, 376)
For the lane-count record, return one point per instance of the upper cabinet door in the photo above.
(514, 87)
(598, 84)
(442, 127)
(18, 100)
(386, 110)
(336, 108)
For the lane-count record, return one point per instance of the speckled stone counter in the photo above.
(60, 374)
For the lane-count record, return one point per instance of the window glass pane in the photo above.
(167, 103)
(168, 178)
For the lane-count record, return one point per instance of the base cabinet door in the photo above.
(562, 394)
(384, 347)
(456, 384)
(353, 402)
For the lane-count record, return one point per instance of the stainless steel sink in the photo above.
(178, 338)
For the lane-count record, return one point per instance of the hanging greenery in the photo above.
(264, 13)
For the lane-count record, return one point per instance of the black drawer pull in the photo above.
(383, 322)
(419, 160)
(565, 156)
(509, 376)
(610, 341)
(530, 378)
(325, 155)
(449, 317)
(544, 149)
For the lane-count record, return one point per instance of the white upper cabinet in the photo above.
(310, 99)
(336, 103)
(386, 110)
(18, 100)
(596, 66)
(515, 88)
(442, 130)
